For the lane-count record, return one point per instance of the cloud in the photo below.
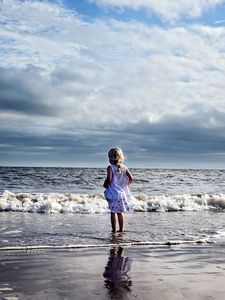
(145, 144)
(219, 22)
(24, 91)
(70, 87)
(168, 10)
(38, 33)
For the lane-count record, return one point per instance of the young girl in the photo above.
(117, 192)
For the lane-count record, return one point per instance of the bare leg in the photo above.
(113, 221)
(121, 221)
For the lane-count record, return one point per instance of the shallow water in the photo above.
(65, 206)
(23, 229)
(58, 208)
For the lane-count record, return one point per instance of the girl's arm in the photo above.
(129, 176)
(108, 178)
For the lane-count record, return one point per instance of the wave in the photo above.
(86, 246)
(95, 203)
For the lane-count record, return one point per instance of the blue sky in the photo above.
(79, 77)
(97, 10)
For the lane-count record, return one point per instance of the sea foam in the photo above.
(95, 203)
(86, 246)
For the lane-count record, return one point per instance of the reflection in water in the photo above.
(117, 280)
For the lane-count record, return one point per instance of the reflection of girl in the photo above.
(116, 275)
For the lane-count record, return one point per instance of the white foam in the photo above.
(5, 289)
(12, 232)
(86, 246)
(95, 203)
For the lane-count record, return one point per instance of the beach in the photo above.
(166, 272)
(56, 240)
(112, 150)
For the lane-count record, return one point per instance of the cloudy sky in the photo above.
(78, 77)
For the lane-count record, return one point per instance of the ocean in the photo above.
(61, 208)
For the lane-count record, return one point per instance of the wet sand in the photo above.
(167, 272)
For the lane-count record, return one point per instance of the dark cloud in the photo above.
(190, 135)
(199, 136)
(173, 142)
(24, 91)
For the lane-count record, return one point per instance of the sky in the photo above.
(80, 77)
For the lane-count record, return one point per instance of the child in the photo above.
(117, 192)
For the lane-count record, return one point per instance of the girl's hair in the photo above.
(116, 156)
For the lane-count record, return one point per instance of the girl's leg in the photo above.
(121, 221)
(113, 221)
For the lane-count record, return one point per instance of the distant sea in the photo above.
(41, 207)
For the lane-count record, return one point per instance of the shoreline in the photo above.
(144, 272)
(108, 245)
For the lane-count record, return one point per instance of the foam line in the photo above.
(83, 246)
(95, 203)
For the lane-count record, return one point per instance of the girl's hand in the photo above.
(129, 177)
(105, 184)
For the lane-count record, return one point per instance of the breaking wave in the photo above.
(95, 203)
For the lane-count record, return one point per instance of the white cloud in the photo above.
(145, 71)
(38, 33)
(167, 9)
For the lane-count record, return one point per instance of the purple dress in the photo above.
(117, 193)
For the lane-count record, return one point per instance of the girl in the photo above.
(117, 192)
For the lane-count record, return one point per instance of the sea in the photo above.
(60, 208)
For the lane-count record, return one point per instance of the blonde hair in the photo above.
(116, 156)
